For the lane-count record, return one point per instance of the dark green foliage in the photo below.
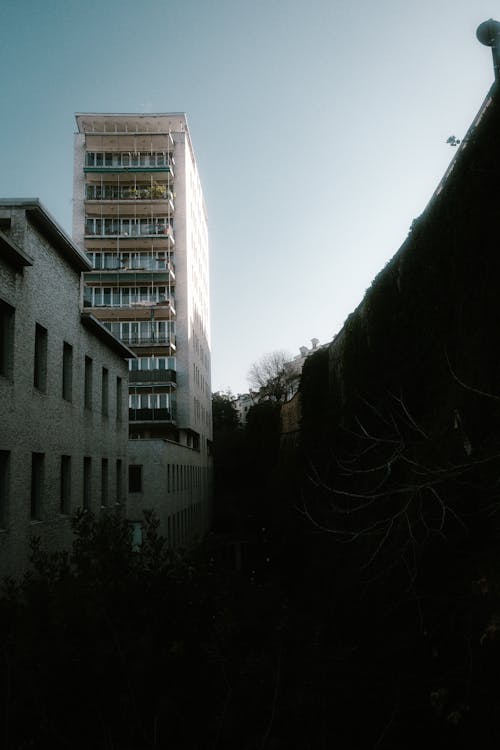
(315, 398)
(262, 436)
(115, 647)
(229, 458)
(224, 413)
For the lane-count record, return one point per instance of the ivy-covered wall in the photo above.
(400, 430)
(427, 331)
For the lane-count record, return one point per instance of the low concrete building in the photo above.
(174, 482)
(63, 389)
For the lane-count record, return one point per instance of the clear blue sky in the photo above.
(319, 129)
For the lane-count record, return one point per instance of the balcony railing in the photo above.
(152, 376)
(131, 260)
(127, 160)
(137, 305)
(150, 415)
(128, 228)
(149, 341)
(131, 193)
(123, 163)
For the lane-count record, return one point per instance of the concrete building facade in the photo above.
(63, 389)
(140, 217)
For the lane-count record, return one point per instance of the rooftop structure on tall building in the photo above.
(140, 217)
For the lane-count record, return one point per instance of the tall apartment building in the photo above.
(140, 217)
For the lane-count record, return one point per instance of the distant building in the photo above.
(242, 403)
(63, 389)
(297, 363)
(140, 217)
(291, 413)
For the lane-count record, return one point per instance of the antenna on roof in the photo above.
(488, 33)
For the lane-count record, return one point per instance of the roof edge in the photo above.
(96, 327)
(44, 222)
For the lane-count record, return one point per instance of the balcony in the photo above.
(128, 193)
(152, 376)
(103, 277)
(137, 311)
(114, 201)
(151, 341)
(111, 162)
(165, 169)
(128, 228)
(150, 415)
(131, 264)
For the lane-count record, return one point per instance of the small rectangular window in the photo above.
(87, 482)
(37, 482)
(6, 339)
(4, 486)
(88, 383)
(67, 375)
(135, 478)
(65, 499)
(40, 360)
(118, 481)
(104, 482)
(119, 400)
(136, 534)
(105, 392)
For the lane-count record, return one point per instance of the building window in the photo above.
(65, 499)
(105, 392)
(6, 339)
(119, 400)
(87, 482)
(88, 383)
(40, 363)
(37, 480)
(136, 527)
(104, 482)
(4, 486)
(118, 481)
(135, 478)
(67, 376)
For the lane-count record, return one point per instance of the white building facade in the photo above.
(63, 390)
(140, 218)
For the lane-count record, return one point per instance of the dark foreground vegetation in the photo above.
(277, 632)
(384, 574)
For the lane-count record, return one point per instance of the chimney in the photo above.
(314, 343)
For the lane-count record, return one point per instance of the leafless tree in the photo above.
(392, 488)
(273, 377)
